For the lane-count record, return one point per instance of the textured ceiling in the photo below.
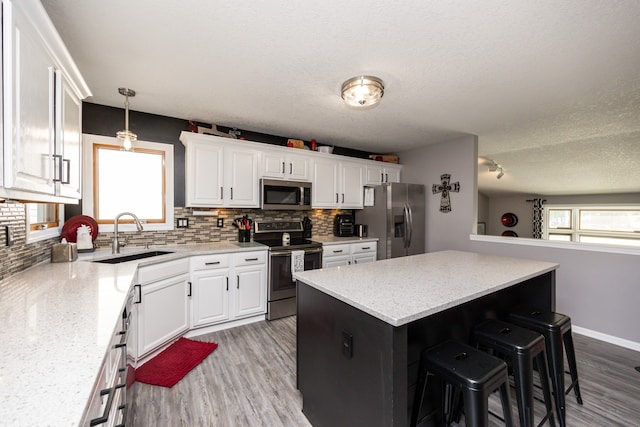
(550, 88)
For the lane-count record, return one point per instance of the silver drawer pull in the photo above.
(212, 263)
(250, 259)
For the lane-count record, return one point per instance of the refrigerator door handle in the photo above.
(405, 236)
(410, 224)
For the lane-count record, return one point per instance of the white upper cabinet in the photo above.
(337, 184)
(276, 164)
(219, 173)
(381, 173)
(41, 108)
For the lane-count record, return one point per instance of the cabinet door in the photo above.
(375, 175)
(163, 312)
(363, 258)
(336, 261)
(204, 174)
(68, 139)
(352, 194)
(392, 174)
(297, 167)
(209, 297)
(250, 293)
(241, 178)
(28, 80)
(273, 165)
(325, 184)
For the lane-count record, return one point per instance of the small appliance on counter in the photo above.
(306, 227)
(343, 225)
(361, 230)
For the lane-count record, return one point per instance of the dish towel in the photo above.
(297, 261)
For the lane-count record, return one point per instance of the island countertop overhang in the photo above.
(401, 290)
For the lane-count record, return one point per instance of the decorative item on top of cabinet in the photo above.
(42, 91)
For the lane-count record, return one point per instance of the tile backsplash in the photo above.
(202, 229)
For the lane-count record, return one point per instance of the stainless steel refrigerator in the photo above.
(397, 219)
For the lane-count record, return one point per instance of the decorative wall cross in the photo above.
(445, 187)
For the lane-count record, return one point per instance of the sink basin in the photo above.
(132, 257)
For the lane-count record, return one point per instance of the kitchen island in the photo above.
(360, 328)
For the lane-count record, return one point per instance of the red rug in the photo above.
(174, 362)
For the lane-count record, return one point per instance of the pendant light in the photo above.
(127, 137)
(362, 91)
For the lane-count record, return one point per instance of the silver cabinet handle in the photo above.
(250, 259)
(212, 263)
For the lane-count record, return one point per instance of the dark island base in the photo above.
(354, 369)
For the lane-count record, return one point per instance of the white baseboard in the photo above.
(607, 338)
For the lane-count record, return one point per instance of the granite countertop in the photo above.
(401, 290)
(58, 319)
(334, 240)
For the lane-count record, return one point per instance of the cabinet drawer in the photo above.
(153, 273)
(335, 250)
(363, 247)
(250, 258)
(207, 262)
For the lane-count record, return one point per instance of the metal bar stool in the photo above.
(521, 348)
(556, 329)
(472, 372)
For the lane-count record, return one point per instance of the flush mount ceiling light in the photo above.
(495, 167)
(362, 91)
(126, 137)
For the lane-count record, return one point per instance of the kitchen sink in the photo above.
(132, 257)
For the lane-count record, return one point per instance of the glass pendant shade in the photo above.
(362, 91)
(126, 137)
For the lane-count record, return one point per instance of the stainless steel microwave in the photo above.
(285, 195)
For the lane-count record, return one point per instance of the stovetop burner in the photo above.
(270, 234)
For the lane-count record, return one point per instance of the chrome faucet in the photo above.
(115, 246)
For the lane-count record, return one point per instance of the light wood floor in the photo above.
(250, 381)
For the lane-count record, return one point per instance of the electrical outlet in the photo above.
(220, 222)
(183, 223)
(347, 344)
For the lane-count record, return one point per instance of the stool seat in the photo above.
(556, 329)
(474, 373)
(522, 347)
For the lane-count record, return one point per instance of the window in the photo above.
(43, 220)
(117, 181)
(611, 225)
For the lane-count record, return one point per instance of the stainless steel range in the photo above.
(283, 238)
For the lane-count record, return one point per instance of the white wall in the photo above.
(599, 290)
(424, 166)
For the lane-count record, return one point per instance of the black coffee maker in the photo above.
(306, 227)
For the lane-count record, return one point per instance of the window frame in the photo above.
(35, 235)
(576, 232)
(89, 140)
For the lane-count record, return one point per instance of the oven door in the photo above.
(281, 283)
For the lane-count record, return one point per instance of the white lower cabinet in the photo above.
(335, 255)
(228, 287)
(162, 305)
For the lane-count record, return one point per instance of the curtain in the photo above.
(538, 217)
